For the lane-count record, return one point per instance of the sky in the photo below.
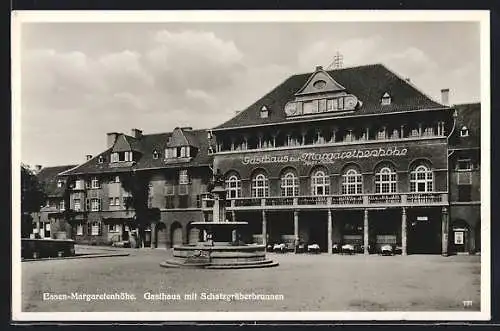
(82, 80)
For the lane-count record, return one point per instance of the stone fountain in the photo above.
(222, 247)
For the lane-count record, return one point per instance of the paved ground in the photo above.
(307, 282)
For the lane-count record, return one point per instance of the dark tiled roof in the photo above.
(468, 115)
(368, 83)
(48, 177)
(147, 144)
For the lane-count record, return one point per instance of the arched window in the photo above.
(385, 181)
(233, 187)
(320, 183)
(260, 186)
(352, 182)
(421, 179)
(289, 184)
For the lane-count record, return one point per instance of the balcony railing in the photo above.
(335, 201)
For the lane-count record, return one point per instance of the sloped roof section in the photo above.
(368, 83)
(48, 177)
(147, 144)
(468, 115)
(320, 82)
(178, 139)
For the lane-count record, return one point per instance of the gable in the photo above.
(121, 145)
(178, 139)
(320, 82)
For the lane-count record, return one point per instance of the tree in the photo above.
(32, 198)
(137, 185)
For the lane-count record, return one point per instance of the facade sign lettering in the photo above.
(312, 158)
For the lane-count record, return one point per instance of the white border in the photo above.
(20, 17)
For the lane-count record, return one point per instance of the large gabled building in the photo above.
(356, 156)
(50, 221)
(176, 168)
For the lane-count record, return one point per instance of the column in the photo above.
(215, 210)
(472, 240)
(274, 141)
(444, 231)
(403, 232)
(296, 224)
(153, 234)
(401, 135)
(420, 129)
(330, 232)
(233, 215)
(365, 233)
(264, 228)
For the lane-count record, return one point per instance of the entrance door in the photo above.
(176, 234)
(424, 235)
(193, 236)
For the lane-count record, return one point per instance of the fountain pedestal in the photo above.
(222, 248)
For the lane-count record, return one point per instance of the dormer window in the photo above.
(464, 131)
(100, 159)
(264, 112)
(121, 157)
(155, 154)
(386, 99)
(59, 183)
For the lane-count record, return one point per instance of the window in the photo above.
(95, 182)
(183, 177)
(183, 182)
(233, 187)
(428, 132)
(464, 131)
(260, 186)
(62, 205)
(332, 104)
(79, 229)
(352, 182)
(289, 185)
(169, 202)
(95, 204)
(79, 184)
(320, 183)
(100, 159)
(310, 107)
(170, 153)
(264, 113)
(386, 99)
(464, 165)
(117, 179)
(117, 201)
(464, 193)
(95, 228)
(381, 134)
(395, 134)
(385, 181)
(111, 201)
(169, 188)
(113, 228)
(155, 155)
(114, 157)
(421, 179)
(77, 205)
(464, 168)
(60, 183)
(414, 132)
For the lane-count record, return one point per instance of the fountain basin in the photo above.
(219, 257)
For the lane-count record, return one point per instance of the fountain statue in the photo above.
(222, 247)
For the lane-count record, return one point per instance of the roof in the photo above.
(147, 144)
(468, 115)
(368, 83)
(48, 177)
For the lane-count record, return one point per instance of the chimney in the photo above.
(445, 96)
(88, 157)
(318, 68)
(136, 133)
(111, 138)
(38, 168)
